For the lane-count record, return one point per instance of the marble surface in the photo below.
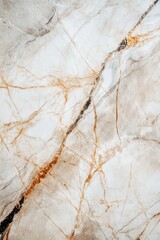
(80, 119)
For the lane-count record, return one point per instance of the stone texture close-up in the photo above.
(79, 119)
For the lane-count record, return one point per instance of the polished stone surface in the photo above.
(80, 119)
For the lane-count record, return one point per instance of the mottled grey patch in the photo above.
(89, 231)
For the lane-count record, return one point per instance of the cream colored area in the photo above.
(80, 119)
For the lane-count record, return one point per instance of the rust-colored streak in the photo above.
(88, 179)
(44, 171)
(117, 110)
(18, 135)
(72, 235)
(142, 233)
(95, 133)
(141, 39)
(132, 40)
(8, 231)
(156, 215)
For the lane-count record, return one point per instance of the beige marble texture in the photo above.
(80, 119)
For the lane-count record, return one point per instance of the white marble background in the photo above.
(80, 119)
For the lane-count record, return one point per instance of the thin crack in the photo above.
(146, 13)
(50, 19)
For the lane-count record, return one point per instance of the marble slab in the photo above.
(79, 120)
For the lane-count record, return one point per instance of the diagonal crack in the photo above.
(45, 170)
(5, 223)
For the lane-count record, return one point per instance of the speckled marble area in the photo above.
(79, 120)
